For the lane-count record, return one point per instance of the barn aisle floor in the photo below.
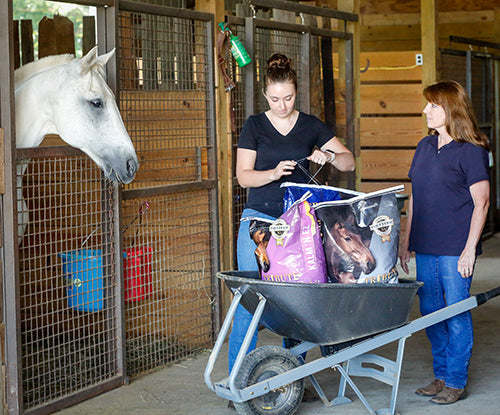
(180, 389)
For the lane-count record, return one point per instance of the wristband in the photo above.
(332, 154)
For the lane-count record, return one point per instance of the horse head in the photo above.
(345, 247)
(70, 97)
(348, 238)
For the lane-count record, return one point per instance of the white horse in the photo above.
(69, 97)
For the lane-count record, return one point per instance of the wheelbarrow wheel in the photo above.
(264, 363)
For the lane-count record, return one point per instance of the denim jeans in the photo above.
(452, 339)
(246, 262)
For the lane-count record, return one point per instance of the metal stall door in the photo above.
(62, 265)
(475, 71)
(302, 43)
(170, 210)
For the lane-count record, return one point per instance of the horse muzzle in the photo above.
(369, 266)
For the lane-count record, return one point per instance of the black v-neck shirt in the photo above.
(259, 134)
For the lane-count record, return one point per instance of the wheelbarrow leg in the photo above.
(389, 374)
(252, 328)
(220, 340)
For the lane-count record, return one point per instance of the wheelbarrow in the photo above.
(346, 320)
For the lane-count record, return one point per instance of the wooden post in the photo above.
(353, 6)
(88, 35)
(55, 36)
(17, 50)
(496, 150)
(27, 42)
(225, 152)
(430, 49)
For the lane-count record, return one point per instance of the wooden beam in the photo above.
(412, 6)
(429, 36)
(405, 19)
(430, 47)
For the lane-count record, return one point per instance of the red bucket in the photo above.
(137, 273)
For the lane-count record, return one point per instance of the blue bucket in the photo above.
(84, 282)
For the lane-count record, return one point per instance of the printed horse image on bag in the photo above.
(345, 244)
(260, 234)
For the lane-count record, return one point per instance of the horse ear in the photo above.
(91, 59)
(103, 59)
(88, 60)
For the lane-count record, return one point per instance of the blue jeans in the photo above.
(452, 339)
(246, 262)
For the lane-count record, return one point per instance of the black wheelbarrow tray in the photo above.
(346, 320)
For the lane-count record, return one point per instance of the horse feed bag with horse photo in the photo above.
(289, 248)
(361, 237)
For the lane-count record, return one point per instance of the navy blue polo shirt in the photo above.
(442, 203)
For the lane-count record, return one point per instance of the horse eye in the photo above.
(96, 103)
(347, 239)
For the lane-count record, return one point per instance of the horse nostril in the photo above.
(131, 167)
(370, 266)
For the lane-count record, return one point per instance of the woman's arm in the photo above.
(339, 156)
(404, 255)
(249, 177)
(480, 193)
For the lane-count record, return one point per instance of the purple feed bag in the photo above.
(361, 237)
(289, 249)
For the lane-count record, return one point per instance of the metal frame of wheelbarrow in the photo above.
(348, 361)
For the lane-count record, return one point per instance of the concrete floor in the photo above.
(180, 389)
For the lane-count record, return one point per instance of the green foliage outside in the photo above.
(36, 10)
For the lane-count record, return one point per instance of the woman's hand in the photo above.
(404, 259)
(480, 193)
(466, 263)
(284, 168)
(321, 157)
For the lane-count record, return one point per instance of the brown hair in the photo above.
(279, 69)
(461, 123)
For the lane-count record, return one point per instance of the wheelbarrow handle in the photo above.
(483, 297)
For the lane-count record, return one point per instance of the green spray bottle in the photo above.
(238, 51)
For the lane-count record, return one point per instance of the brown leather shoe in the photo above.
(432, 389)
(449, 395)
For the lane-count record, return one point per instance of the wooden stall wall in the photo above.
(392, 25)
(391, 121)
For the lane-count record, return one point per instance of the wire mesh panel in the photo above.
(454, 66)
(166, 98)
(238, 99)
(68, 281)
(269, 41)
(474, 71)
(167, 279)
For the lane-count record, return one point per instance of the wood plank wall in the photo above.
(390, 25)
(391, 118)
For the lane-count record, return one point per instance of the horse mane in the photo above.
(39, 65)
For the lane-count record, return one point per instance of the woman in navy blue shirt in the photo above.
(270, 146)
(446, 215)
